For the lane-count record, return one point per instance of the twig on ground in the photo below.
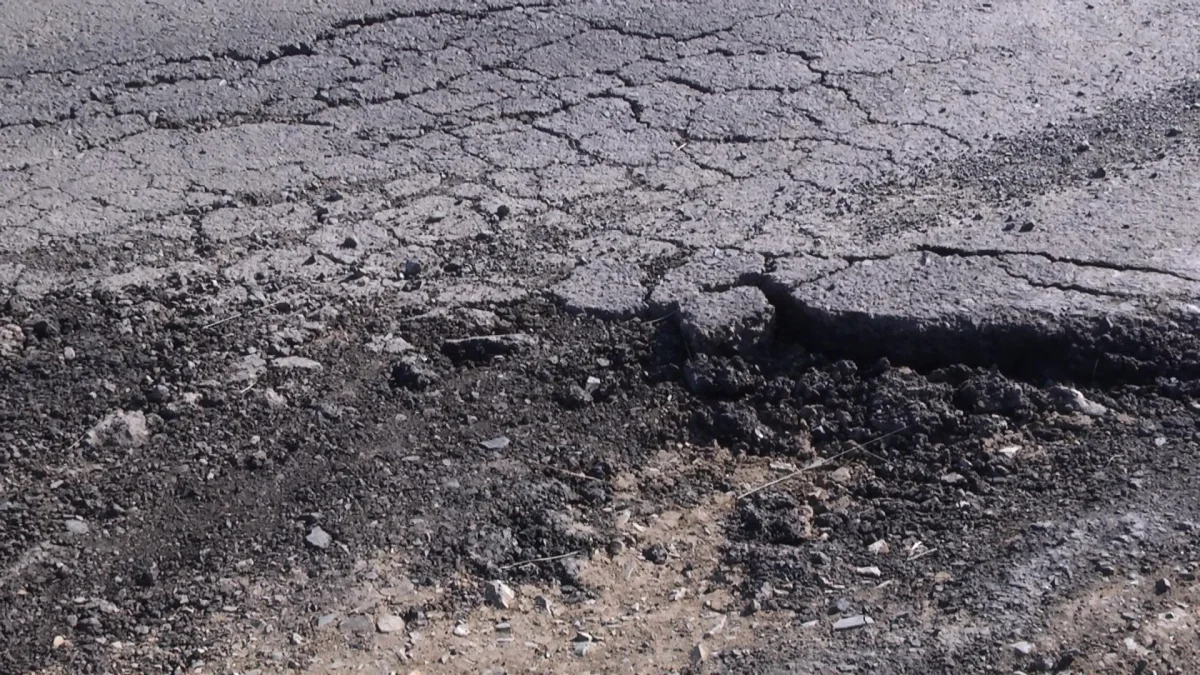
(662, 318)
(540, 560)
(920, 554)
(246, 313)
(569, 473)
(818, 463)
(75, 444)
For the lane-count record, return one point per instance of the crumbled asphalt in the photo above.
(282, 290)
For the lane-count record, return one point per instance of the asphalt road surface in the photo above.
(864, 332)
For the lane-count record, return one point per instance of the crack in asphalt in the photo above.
(949, 251)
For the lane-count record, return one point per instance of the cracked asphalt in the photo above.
(1005, 184)
(1045, 150)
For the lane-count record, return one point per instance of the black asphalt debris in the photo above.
(346, 331)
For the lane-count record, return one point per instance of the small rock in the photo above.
(717, 627)
(274, 399)
(840, 606)
(497, 443)
(656, 553)
(583, 646)
(297, 639)
(69, 353)
(358, 623)
(1023, 648)
(1162, 586)
(75, 526)
(12, 337)
(486, 347)
(461, 630)
(504, 627)
(411, 373)
(319, 538)
(852, 622)
(841, 475)
(868, 572)
(147, 577)
(214, 398)
(1010, 451)
(574, 397)
(296, 363)
(120, 429)
(543, 603)
(59, 641)
(500, 594)
(326, 620)
(159, 393)
(412, 269)
(879, 548)
(699, 654)
(389, 344)
(1069, 400)
(953, 478)
(389, 623)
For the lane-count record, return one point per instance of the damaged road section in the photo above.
(1031, 315)
(394, 336)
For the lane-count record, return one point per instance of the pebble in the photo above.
(120, 429)
(497, 443)
(69, 353)
(486, 347)
(274, 399)
(656, 553)
(868, 572)
(852, 622)
(296, 363)
(574, 397)
(389, 623)
(879, 548)
(358, 623)
(159, 393)
(500, 594)
(413, 374)
(717, 628)
(1162, 586)
(319, 538)
(461, 630)
(75, 526)
(1070, 400)
(840, 606)
(1010, 451)
(326, 620)
(699, 654)
(1023, 648)
(841, 475)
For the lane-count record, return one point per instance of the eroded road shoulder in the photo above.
(537, 337)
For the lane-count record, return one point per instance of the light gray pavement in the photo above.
(934, 164)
